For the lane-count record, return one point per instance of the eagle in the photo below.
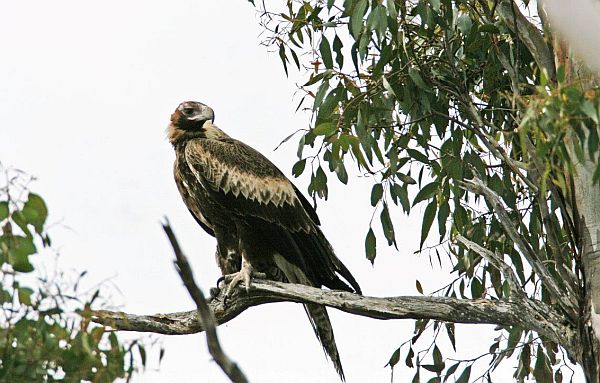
(263, 225)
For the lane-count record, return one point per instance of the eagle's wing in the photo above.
(248, 183)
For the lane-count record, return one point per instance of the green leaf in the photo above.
(417, 377)
(416, 155)
(489, 28)
(3, 210)
(337, 48)
(319, 183)
(406, 178)
(590, 110)
(371, 246)
(356, 19)
(437, 358)
(464, 377)
(409, 358)
(391, 7)
(323, 88)
(387, 225)
(428, 217)
(388, 87)
(283, 58)
(394, 358)
(142, 352)
(464, 23)
(325, 129)
(402, 194)
(542, 370)
(340, 171)
(24, 294)
(477, 289)
(376, 194)
(21, 221)
(426, 192)
(298, 167)
(451, 331)
(35, 211)
(325, 50)
(433, 367)
(419, 287)
(414, 74)
(326, 75)
(443, 213)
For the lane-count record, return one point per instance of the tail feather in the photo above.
(319, 319)
(317, 314)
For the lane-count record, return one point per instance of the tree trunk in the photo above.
(586, 213)
(587, 200)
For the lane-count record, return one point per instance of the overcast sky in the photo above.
(86, 92)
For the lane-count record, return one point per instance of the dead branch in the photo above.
(207, 317)
(526, 313)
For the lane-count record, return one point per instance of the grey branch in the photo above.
(497, 261)
(228, 366)
(566, 302)
(527, 313)
(529, 34)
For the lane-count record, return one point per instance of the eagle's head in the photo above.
(193, 119)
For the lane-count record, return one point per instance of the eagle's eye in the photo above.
(188, 111)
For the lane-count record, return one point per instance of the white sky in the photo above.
(87, 91)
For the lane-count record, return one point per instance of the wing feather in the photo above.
(247, 183)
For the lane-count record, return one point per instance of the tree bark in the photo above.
(587, 197)
(585, 207)
(525, 313)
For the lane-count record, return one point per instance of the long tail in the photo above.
(317, 314)
(319, 319)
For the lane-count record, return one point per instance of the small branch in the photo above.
(214, 347)
(568, 278)
(477, 186)
(530, 314)
(494, 146)
(497, 261)
(529, 34)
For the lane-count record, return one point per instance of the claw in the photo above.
(213, 293)
(244, 275)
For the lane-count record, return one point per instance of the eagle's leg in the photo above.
(245, 275)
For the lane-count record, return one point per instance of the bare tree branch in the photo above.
(184, 270)
(527, 314)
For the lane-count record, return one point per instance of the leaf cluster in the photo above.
(42, 339)
(424, 96)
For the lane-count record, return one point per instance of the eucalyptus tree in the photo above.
(477, 111)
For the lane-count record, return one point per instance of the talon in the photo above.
(244, 275)
(213, 292)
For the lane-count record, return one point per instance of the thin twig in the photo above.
(228, 366)
(497, 261)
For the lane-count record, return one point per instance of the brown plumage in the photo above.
(262, 223)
